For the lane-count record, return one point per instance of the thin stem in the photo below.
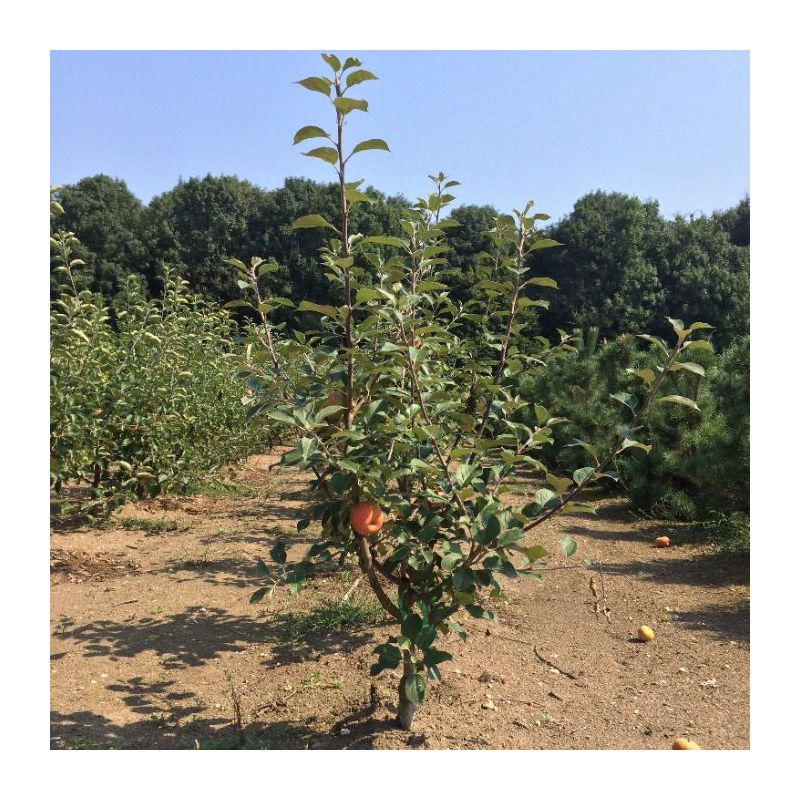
(348, 325)
(367, 567)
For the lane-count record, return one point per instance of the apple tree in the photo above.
(403, 403)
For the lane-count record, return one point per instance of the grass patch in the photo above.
(87, 743)
(359, 611)
(151, 524)
(225, 489)
(729, 532)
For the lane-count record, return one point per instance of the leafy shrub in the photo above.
(698, 464)
(144, 397)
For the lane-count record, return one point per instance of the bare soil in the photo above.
(155, 645)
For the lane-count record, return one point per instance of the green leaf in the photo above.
(480, 613)
(541, 244)
(312, 221)
(697, 326)
(568, 546)
(578, 508)
(370, 144)
(545, 498)
(344, 105)
(465, 473)
(679, 400)
(689, 366)
(541, 414)
(351, 62)
(415, 686)
(581, 475)
(654, 340)
(280, 415)
(332, 61)
(433, 657)
(278, 552)
(633, 443)
(234, 262)
(262, 569)
(258, 594)
(677, 326)
(365, 293)
(327, 154)
(389, 241)
(463, 579)
(535, 553)
(629, 400)
(239, 304)
(646, 374)
(328, 311)
(548, 282)
(450, 560)
(700, 344)
(353, 196)
(322, 85)
(559, 484)
(510, 536)
(359, 76)
(589, 448)
(309, 132)
(527, 302)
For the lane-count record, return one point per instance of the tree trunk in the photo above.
(405, 708)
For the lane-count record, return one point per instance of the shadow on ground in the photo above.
(173, 720)
(189, 638)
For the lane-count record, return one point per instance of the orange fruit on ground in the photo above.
(662, 541)
(366, 518)
(685, 744)
(646, 634)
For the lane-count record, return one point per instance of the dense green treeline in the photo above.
(623, 266)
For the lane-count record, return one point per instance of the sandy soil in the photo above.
(155, 646)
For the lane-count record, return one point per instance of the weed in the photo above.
(231, 742)
(151, 524)
(219, 489)
(86, 743)
(194, 563)
(329, 615)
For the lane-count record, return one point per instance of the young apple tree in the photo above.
(404, 406)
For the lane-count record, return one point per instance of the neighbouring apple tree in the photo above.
(405, 414)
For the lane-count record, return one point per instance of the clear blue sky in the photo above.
(549, 126)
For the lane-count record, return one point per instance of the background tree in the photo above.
(608, 268)
(201, 222)
(110, 223)
(705, 272)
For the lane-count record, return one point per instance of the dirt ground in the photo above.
(155, 645)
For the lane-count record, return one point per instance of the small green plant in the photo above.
(730, 532)
(151, 524)
(358, 611)
(87, 743)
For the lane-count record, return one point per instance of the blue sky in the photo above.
(510, 125)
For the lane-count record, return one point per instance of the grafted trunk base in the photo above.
(405, 708)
